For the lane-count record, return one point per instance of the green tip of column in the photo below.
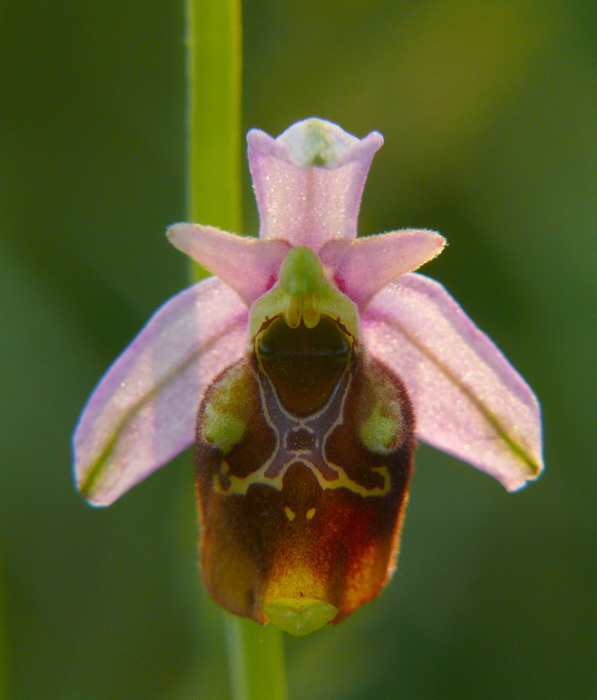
(303, 294)
(299, 616)
(301, 272)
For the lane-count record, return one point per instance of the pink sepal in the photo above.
(469, 400)
(143, 411)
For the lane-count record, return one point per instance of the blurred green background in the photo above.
(489, 111)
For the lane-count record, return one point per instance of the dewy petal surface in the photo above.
(309, 181)
(143, 412)
(469, 401)
(248, 265)
(363, 266)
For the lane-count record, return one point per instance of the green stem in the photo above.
(3, 646)
(256, 656)
(214, 65)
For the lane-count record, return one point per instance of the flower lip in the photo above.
(315, 143)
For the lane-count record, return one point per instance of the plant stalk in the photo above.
(214, 65)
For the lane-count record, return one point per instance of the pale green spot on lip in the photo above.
(378, 432)
(227, 415)
(299, 616)
(223, 429)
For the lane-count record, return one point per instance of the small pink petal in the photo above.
(309, 181)
(469, 400)
(363, 266)
(143, 411)
(248, 265)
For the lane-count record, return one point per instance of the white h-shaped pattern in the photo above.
(317, 427)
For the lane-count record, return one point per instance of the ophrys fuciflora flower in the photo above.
(305, 370)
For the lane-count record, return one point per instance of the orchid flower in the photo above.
(305, 370)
